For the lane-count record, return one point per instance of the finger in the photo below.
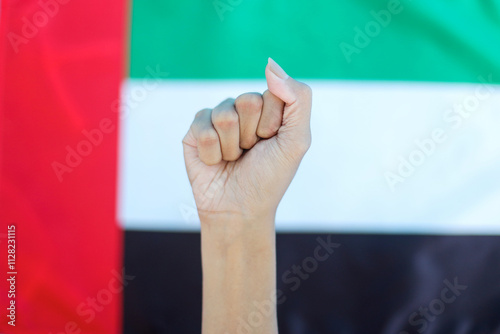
(226, 122)
(286, 88)
(297, 96)
(272, 115)
(207, 139)
(249, 108)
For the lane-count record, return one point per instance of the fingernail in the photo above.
(276, 69)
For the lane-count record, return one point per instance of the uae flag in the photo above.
(391, 225)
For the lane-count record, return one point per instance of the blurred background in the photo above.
(391, 224)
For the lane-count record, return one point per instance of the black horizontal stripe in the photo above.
(368, 284)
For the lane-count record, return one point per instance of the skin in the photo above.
(240, 158)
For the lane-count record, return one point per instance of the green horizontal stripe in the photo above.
(428, 40)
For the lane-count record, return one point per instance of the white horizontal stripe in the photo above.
(360, 131)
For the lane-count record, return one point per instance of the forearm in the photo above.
(239, 275)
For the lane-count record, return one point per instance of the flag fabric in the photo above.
(62, 64)
(404, 94)
(400, 187)
(390, 225)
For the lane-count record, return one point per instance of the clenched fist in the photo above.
(242, 155)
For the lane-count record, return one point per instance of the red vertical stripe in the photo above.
(62, 64)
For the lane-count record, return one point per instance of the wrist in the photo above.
(236, 219)
(225, 229)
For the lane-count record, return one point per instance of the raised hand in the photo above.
(242, 155)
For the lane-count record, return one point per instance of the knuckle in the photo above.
(267, 94)
(225, 119)
(201, 112)
(229, 101)
(251, 102)
(269, 97)
(208, 137)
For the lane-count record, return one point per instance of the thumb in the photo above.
(298, 99)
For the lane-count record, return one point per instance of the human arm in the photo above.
(241, 157)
